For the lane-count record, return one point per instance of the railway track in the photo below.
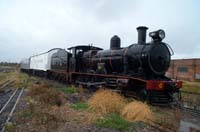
(186, 106)
(8, 103)
(2, 84)
(5, 84)
(192, 109)
(190, 103)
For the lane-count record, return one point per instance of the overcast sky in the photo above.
(30, 27)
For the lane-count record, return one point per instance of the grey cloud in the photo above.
(30, 27)
(109, 10)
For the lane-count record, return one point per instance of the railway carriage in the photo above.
(40, 64)
(25, 65)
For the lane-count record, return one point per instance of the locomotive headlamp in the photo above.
(161, 34)
(157, 35)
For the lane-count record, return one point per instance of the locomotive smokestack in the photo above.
(115, 42)
(142, 34)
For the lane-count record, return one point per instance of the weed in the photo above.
(52, 97)
(44, 117)
(38, 89)
(31, 105)
(80, 106)
(9, 127)
(68, 90)
(81, 90)
(27, 114)
(113, 121)
(21, 80)
(46, 95)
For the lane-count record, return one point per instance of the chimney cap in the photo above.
(142, 27)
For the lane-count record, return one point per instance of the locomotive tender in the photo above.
(137, 70)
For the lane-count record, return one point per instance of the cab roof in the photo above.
(85, 47)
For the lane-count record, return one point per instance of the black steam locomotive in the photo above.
(137, 70)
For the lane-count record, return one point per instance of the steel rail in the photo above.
(8, 101)
(13, 109)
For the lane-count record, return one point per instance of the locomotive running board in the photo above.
(90, 83)
(109, 75)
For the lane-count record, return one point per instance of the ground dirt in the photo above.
(64, 110)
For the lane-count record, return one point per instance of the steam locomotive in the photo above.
(137, 70)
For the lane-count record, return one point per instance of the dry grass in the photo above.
(137, 111)
(36, 117)
(38, 89)
(9, 76)
(191, 86)
(167, 118)
(49, 118)
(65, 113)
(18, 78)
(106, 101)
(47, 95)
(81, 90)
(194, 87)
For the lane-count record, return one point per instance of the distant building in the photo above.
(185, 69)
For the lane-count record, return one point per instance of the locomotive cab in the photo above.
(76, 61)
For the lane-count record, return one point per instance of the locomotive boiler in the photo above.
(147, 60)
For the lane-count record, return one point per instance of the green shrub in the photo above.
(80, 106)
(113, 121)
(68, 90)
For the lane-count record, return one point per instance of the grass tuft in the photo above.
(106, 101)
(137, 111)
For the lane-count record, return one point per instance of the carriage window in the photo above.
(182, 69)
